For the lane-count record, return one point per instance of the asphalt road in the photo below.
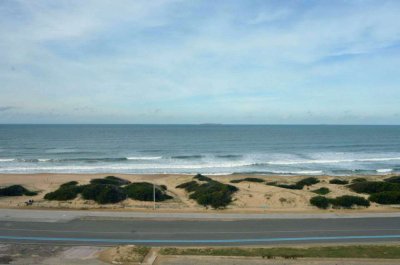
(201, 232)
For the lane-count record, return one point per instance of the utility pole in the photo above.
(154, 196)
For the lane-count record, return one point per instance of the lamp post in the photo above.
(154, 196)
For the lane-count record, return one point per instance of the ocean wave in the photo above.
(228, 156)
(384, 170)
(187, 157)
(144, 157)
(7, 159)
(333, 161)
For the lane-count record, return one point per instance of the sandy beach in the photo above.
(251, 197)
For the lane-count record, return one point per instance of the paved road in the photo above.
(201, 232)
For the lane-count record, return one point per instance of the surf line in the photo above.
(166, 241)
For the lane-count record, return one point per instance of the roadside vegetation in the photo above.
(16, 190)
(382, 192)
(350, 251)
(345, 201)
(338, 182)
(257, 180)
(322, 191)
(211, 193)
(108, 190)
(299, 185)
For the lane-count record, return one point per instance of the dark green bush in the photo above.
(189, 186)
(290, 186)
(201, 177)
(394, 179)
(103, 193)
(16, 190)
(212, 193)
(299, 185)
(257, 180)
(338, 182)
(374, 187)
(386, 197)
(320, 202)
(143, 191)
(70, 183)
(356, 180)
(110, 180)
(64, 193)
(322, 191)
(307, 182)
(348, 201)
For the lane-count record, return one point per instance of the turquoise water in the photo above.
(209, 149)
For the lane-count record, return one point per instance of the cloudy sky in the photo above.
(268, 62)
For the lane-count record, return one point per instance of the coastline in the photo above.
(251, 197)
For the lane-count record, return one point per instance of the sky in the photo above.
(184, 62)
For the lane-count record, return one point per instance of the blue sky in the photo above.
(268, 62)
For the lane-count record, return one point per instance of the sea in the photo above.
(208, 149)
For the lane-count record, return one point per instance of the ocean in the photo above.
(207, 149)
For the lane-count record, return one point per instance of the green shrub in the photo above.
(111, 180)
(201, 177)
(70, 183)
(307, 182)
(356, 180)
(320, 202)
(338, 182)
(103, 193)
(63, 193)
(386, 197)
(16, 190)
(290, 186)
(322, 191)
(143, 191)
(257, 180)
(189, 186)
(348, 201)
(212, 193)
(299, 185)
(394, 179)
(374, 187)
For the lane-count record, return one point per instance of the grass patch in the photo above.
(353, 251)
(111, 180)
(143, 191)
(299, 185)
(64, 193)
(320, 202)
(212, 193)
(394, 179)
(201, 177)
(103, 193)
(16, 190)
(322, 191)
(257, 180)
(345, 201)
(70, 183)
(338, 182)
(374, 187)
(386, 197)
(356, 180)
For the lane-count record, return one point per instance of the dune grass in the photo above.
(350, 251)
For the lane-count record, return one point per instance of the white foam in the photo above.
(6, 159)
(44, 159)
(333, 161)
(144, 157)
(384, 170)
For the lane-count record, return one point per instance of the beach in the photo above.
(251, 198)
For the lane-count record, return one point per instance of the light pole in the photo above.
(154, 196)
